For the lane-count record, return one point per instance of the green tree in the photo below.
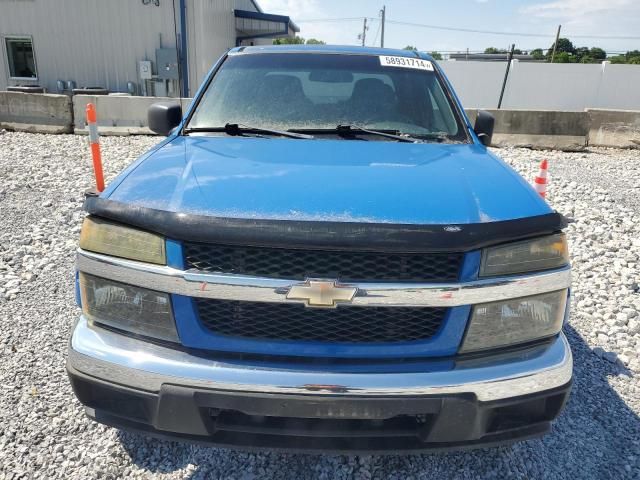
(618, 59)
(297, 41)
(537, 54)
(288, 41)
(436, 55)
(410, 47)
(597, 53)
(564, 45)
(580, 53)
(564, 57)
(632, 54)
(632, 57)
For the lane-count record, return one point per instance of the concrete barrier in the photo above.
(126, 115)
(538, 128)
(118, 115)
(36, 112)
(614, 128)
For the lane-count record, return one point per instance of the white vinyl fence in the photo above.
(546, 86)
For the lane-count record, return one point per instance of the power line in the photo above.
(467, 30)
(605, 37)
(375, 39)
(514, 34)
(470, 30)
(321, 20)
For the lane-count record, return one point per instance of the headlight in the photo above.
(515, 321)
(529, 256)
(111, 239)
(125, 307)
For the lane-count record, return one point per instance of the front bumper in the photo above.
(478, 401)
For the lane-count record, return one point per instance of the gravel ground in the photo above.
(45, 434)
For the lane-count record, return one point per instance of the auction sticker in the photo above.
(406, 62)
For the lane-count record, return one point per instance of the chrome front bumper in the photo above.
(122, 360)
(453, 401)
(139, 364)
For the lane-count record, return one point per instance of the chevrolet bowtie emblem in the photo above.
(321, 293)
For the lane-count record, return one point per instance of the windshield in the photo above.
(298, 91)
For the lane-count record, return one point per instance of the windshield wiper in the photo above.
(235, 129)
(348, 130)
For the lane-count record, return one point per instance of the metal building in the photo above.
(136, 46)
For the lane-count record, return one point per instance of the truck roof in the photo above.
(332, 49)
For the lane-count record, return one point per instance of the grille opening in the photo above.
(347, 266)
(521, 414)
(292, 321)
(399, 426)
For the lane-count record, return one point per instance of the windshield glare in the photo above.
(291, 91)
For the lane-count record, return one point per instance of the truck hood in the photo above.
(327, 180)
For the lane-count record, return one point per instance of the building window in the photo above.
(22, 61)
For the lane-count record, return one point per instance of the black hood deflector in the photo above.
(324, 235)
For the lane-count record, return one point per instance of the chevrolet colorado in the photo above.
(322, 255)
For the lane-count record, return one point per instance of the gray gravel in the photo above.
(45, 434)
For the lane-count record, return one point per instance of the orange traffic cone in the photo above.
(541, 179)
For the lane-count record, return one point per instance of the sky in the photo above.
(579, 18)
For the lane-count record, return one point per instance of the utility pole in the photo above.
(506, 74)
(383, 13)
(555, 45)
(364, 31)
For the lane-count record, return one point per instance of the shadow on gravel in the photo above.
(597, 436)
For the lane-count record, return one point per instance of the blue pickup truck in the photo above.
(322, 255)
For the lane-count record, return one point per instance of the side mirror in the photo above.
(484, 127)
(164, 117)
